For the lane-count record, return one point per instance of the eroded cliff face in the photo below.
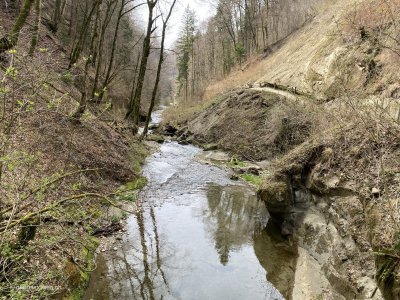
(337, 223)
(329, 264)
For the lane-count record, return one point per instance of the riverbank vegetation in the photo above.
(75, 81)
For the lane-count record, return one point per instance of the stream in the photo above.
(197, 235)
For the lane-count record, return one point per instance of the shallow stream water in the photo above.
(198, 236)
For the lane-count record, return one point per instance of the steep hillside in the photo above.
(322, 107)
(60, 177)
(328, 57)
(251, 123)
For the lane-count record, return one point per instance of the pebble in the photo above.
(115, 248)
(375, 191)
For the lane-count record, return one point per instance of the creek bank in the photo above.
(329, 264)
(333, 195)
(308, 212)
(324, 200)
(254, 124)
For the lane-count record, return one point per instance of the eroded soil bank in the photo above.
(331, 188)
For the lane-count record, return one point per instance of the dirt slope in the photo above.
(327, 58)
(254, 124)
(58, 176)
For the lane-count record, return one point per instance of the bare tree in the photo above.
(160, 62)
(36, 27)
(134, 103)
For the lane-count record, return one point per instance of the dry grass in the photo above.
(328, 47)
(360, 146)
(289, 65)
(254, 124)
(185, 111)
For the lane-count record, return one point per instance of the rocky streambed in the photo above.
(197, 234)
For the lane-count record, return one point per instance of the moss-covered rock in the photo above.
(277, 194)
(155, 138)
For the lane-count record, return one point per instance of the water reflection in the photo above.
(193, 238)
(278, 257)
(136, 271)
(233, 217)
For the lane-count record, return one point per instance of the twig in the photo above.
(44, 187)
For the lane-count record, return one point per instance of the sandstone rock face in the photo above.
(326, 259)
(330, 265)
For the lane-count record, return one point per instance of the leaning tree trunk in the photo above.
(98, 51)
(83, 102)
(134, 78)
(76, 51)
(10, 40)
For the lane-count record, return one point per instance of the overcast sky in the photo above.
(203, 9)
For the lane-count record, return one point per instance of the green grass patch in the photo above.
(236, 162)
(128, 191)
(253, 179)
(138, 153)
(137, 184)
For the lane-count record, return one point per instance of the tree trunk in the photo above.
(113, 47)
(98, 54)
(9, 41)
(134, 78)
(76, 51)
(35, 34)
(83, 102)
(134, 106)
(56, 16)
(160, 62)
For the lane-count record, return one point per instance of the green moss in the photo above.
(67, 77)
(128, 192)
(137, 184)
(127, 196)
(138, 153)
(253, 179)
(88, 254)
(236, 162)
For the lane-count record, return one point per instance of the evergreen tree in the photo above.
(185, 48)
